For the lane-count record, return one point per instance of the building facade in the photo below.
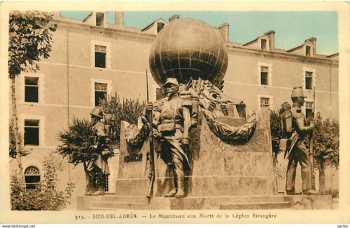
(92, 60)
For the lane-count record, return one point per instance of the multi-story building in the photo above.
(92, 60)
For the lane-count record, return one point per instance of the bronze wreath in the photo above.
(231, 134)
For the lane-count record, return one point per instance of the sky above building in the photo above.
(291, 28)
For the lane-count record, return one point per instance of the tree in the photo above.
(326, 144)
(45, 196)
(77, 142)
(30, 40)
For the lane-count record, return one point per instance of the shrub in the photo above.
(326, 141)
(45, 196)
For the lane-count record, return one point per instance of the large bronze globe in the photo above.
(188, 49)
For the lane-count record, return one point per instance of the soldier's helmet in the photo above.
(96, 112)
(172, 81)
(297, 92)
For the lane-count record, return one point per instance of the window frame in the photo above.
(42, 129)
(36, 184)
(109, 89)
(97, 18)
(158, 25)
(265, 96)
(314, 77)
(266, 44)
(95, 43)
(310, 49)
(306, 108)
(269, 74)
(37, 86)
(25, 127)
(41, 86)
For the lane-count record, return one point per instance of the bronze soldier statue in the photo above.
(172, 123)
(298, 150)
(97, 168)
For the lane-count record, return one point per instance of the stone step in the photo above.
(110, 201)
(117, 205)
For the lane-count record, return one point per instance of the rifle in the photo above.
(295, 139)
(151, 176)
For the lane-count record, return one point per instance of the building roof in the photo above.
(159, 19)
(229, 44)
(264, 34)
(87, 17)
(295, 48)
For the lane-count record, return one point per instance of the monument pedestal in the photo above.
(222, 176)
(218, 169)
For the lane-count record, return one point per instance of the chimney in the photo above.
(174, 17)
(224, 29)
(119, 18)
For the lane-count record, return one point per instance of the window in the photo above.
(31, 132)
(308, 80)
(263, 44)
(100, 56)
(160, 26)
(309, 109)
(31, 177)
(307, 50)
(265, 102)
(99, 19)
(100, 92)
(264, 75)
(31, 89)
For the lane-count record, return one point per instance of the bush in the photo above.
(77, 142)
(45, 196)
(326, 141)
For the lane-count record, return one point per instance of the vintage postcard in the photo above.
(197, 112)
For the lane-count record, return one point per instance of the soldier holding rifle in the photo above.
(97, 168)
(298, 150)
(171, 123)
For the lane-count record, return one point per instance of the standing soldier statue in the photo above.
(172, 123)
(298, 150)
(98, 170)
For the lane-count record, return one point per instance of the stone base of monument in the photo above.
(217, 168)
(113, 201)
(222, 176)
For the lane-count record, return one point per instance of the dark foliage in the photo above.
(45, 196)
(30, 38)
(78, 142)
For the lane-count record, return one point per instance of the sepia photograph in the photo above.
(138, 111)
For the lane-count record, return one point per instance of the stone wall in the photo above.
(218, 169)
